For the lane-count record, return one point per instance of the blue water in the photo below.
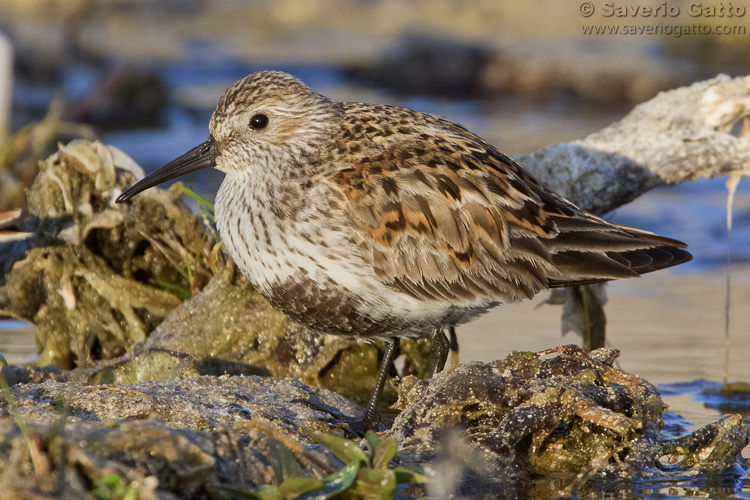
(707, 393)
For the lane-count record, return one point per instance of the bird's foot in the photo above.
(360, 424)
(357, 424)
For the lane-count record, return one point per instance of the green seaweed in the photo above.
(113, 487)
(366, 473)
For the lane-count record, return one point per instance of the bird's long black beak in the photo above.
(203, 156)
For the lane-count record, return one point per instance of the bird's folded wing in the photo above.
(462, 221)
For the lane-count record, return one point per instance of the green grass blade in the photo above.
(345, 450)
(200, 200)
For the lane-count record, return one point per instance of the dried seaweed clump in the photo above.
(99, 276)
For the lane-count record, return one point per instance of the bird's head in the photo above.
(268, 123)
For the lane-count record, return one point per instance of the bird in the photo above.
(378, 222)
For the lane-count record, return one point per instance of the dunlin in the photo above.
(379, 222)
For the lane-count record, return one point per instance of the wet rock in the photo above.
(442, 66)
(571, 414)
(529, 424)
(431, 66)
(569, 69)
(125, 97)
(230, 328)
(179, 439)
(195, 403)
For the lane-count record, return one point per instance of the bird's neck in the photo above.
(273, 198)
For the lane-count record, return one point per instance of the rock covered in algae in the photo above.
(164, 439)
(574, 413)
(561, 421)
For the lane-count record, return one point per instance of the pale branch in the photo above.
(679, 135)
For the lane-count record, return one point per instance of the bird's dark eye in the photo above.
(259, 121)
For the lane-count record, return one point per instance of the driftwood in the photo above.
(679, 135)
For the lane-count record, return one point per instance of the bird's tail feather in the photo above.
(592, 250)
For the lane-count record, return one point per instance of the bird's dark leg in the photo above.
(372, 413)
(439, 353)
(453, 345)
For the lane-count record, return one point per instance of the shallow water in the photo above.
(17, 342)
